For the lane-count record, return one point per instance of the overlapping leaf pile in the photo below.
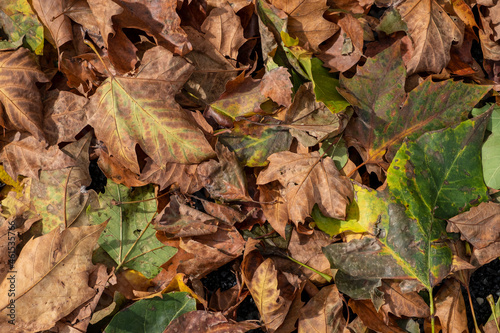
(328, 150)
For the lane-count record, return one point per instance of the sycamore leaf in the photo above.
(151, 315)
(263, 286)
(409, 304)
(126, 111)
(51, 13)
(384, 121)
(202, 321)
(308, 180)
(27, 156)
(48, 192)
(450, 307)
(274, 207)
(223, 29)
(115, 171)
(372, 318)
(253, 143)
(323, 313)
(129, 237)
(61, 258)
(480, 226)
(432, 178)
(306, 22)
(21, 108)
(432, 31)
(18, 20)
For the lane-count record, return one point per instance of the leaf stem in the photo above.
(493, 310)
(432, 310)
(327, 277)
(89, 44)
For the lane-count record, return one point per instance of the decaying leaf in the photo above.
(450, 307)
(61, 258)
(323, 313)
(308, 180)
(208, 322)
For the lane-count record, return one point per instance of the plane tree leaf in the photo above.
(21, 102)
(490, 151)
(432, 32)
(58, 25)
(126, 111)
(323, 313)
(253, 143)
(18, 20)
(307, 179)
(151, 315)
(386, 117)
(129, 237)
(306, 22)
(431, 179)
(61, 258)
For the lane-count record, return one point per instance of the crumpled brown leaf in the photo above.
(323, 313)
(51, 278)
(450, 307)
(208, 322)
(308, 179)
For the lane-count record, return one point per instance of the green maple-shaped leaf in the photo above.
(129, 237)
(386, 115)
(126, 111)
(430, 179)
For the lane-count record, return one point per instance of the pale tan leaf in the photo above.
(277, 86)
(274, 207)
(323, 313)
(21, 102)
(409, 304)
(306, 22)
(223, 29)
(307, 180)
(208, 322)
(51, 13)
(432, 32)
(51, 278)
(27, 156)
(450, 307)
(480, 226)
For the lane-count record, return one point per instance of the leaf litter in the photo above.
(341, 157)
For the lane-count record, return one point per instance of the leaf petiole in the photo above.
(327, 277)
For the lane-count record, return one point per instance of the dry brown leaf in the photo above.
(323, 313)
(277, 86)
(263, 285)
(307, 250)
(235, 4)
(115, 171)
(308, 180)
(64, 116)
(450, 307)
(400, 304)
(432, 31)
(480, 226)
(51, 278)
(21, 108)
(103, 11)
(373, 319)
(27, 156)
(306, 22)
(227, 214)
(485, 255)
(208, 322)
(224, 179)
(274, 207)
(223, 29)
(179, 220)
(183, 176)
(345, 49)
(51, 13)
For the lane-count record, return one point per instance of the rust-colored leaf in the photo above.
(51, 13)
(450, 308)
(307, 179)
(208, 322)
(399, 303)
(323, 313)
(373, 319)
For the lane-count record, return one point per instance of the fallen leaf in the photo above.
(323, 313)
(51, 13)
(224, 179)
(113, 170)
(399, 303)
(276, 85)
(308, 180)
(450, 307)
(432, 32)
(129, 237)
(21, 102)
(372, 319)
(223, 29)
(152, 315)
(346, 48)
(306, 22)
(228, 214)
(479, 226)
(274, 207)
(124, 115)
(61, 258)
(208, 322)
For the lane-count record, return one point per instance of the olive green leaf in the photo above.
(430, 179)
(129, 237)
